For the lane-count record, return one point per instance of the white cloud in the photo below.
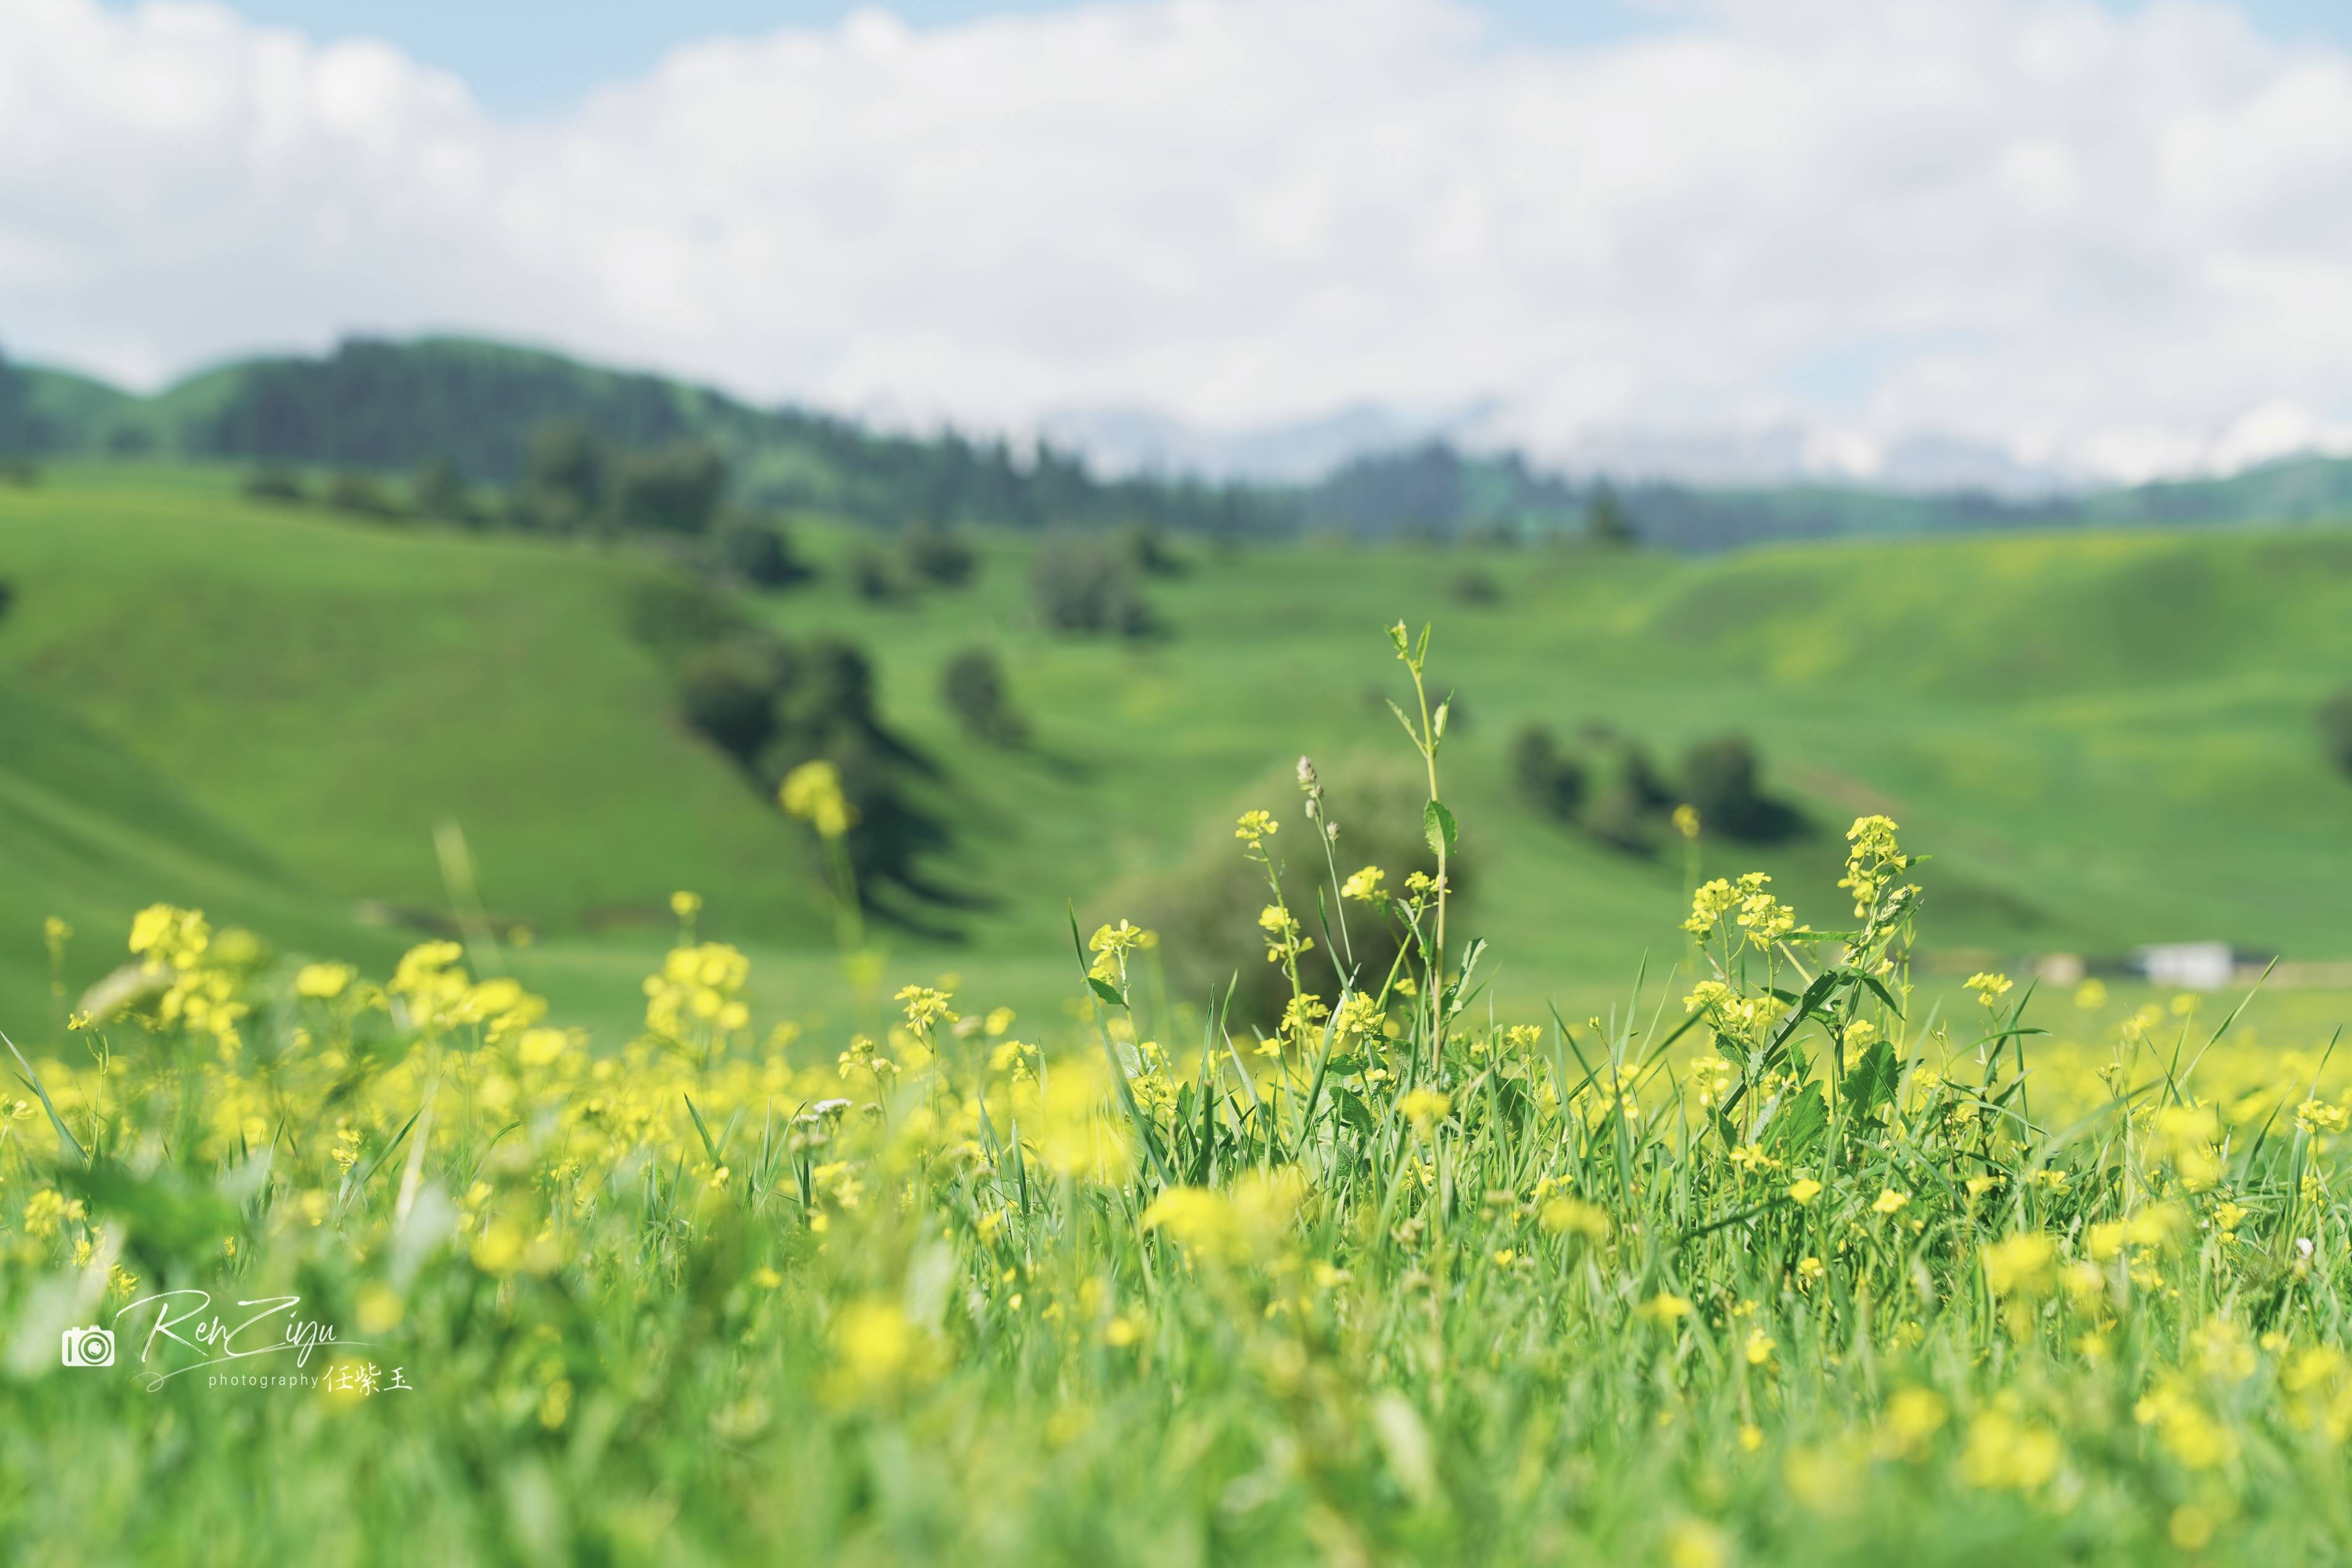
(2091, 240)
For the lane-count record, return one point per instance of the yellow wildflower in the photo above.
(1990, 988)
(813, 793)
(1425, 1108)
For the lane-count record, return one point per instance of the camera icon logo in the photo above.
(89, 1347)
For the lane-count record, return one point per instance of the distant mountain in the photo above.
(1436, 488)
(1296, 452)
(46, 411)
(386, 405)
(395, 405)
(2291, 490)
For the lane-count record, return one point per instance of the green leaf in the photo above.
(32, 1080)
(1883, 994)
(708, 1146)
(1437, 827)
(162, 1211)
(1107, 991)
(1797, 1126)
(390, 1149)
(1870, 1080)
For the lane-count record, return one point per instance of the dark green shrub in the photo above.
(1615, 817)
(729, 691)
(1205, 908)
(1606, 521)
(828, 685)
(1719, 777)
(1644, 785)
(1089, 591)
(1477, 588)
(1552, 779)
(771, 705)
(825, 709)
(1722, 777)
(565, 479)
(275, 484)
(439, 490)
(872, 576)
(1148, 549)
(972, 685)
(940, 558)
(676, 616)
(1623, 806)
(361, 494)
(2335, 728)
(759, 550)
(671, 490)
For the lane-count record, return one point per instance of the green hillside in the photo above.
(2014, 700)
(2105, 737)
(89, 832)
(387, 407)
(337, 692)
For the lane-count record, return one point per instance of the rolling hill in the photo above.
(393, 406)
(89, 832)
(336, 692)
(2104, 737)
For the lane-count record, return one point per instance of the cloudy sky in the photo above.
(2110, 239)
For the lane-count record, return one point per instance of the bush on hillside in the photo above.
(670, 489)
(1615, 817)
(1645, 785)
(1551, 778)
(1088, 591)
(1477, 588)
(1496, 535)
(275, 484)
(1205, 908)
(361, 494)
(2335, 728)
(1146, 549)
(1722, 778)
(939, 557)
(825, 709)
(973, 687)
(728, 690)
(759, 550)
(439, 490)
(564, 479)
(873, 576)
(771, 705)
(674, 616)
(1606, 521)
(1623, 810)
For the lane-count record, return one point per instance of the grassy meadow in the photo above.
(1802, 1267)
(2106, 735)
